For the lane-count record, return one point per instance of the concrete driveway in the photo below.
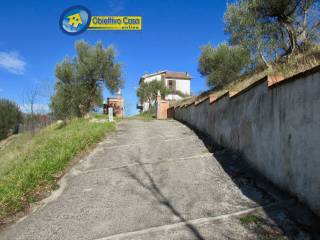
(157, 180)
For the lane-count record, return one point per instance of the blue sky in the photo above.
(31, 42)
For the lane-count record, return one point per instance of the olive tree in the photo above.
(223, 64)
(273, 29)
(148, 91)
(80, 80)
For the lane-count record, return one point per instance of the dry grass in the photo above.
(12, 148)
(219, 93)
(298, 63)
(246, 81)
(184, 101)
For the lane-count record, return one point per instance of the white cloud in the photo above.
(12, 62)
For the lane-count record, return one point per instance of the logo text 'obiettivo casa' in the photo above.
(77, 19)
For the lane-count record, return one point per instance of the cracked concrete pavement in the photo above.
(150, 180)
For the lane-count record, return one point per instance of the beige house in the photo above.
(175, 81)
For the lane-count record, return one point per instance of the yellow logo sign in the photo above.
(115, 23)
(75, 20)
(78, 19)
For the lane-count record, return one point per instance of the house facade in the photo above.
(116, 103)
(177, 82)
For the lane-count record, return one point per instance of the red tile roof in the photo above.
(179, 75)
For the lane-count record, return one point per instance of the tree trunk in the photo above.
(262, 57)
(292, 38)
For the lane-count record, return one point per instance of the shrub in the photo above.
(10, 117)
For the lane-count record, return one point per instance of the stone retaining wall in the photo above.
(274, 124)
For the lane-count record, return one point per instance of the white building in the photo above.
(175, 81)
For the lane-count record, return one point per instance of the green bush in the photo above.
(10, 117)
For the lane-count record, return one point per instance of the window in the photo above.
(171, 85)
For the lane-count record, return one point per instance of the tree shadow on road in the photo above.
(156, 192)
(295, 220)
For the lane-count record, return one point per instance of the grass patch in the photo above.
(30, 164)
(262, 228)
(144, 116)
(104, 116)
(99, 115)
(249, 219)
